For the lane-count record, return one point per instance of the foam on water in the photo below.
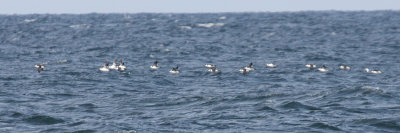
(29, 20)
(186, 27)
(80, 26)
(209, 25)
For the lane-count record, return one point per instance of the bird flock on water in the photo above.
(213, 68)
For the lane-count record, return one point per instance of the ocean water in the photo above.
(72, 95)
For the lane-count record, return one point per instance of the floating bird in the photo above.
(120, 69)
(39, 68)
(121, 66)
(209, 65)
(271, 65)
(174, 70)
(250, 67)
(243, 71)
(105, 67)
(323, 69)
(373, 71)
(114, 65)
(311, 66)
(214, 70)
(155, 65)
(344, 67)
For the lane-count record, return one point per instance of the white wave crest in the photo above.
(209, 25)
(29, 20)
(62, 61)
(371, 88)
(185, 27)
(80, 26)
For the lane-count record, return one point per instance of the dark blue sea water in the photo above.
(72, 95)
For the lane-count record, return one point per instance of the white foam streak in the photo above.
(62, 61)
(185, 27)
(209, 25)
(29, 20)
(80, 26)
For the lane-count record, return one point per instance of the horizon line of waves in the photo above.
(209, 25)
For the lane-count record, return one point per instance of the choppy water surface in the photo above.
(72, 95)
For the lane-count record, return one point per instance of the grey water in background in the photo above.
(72, 95)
